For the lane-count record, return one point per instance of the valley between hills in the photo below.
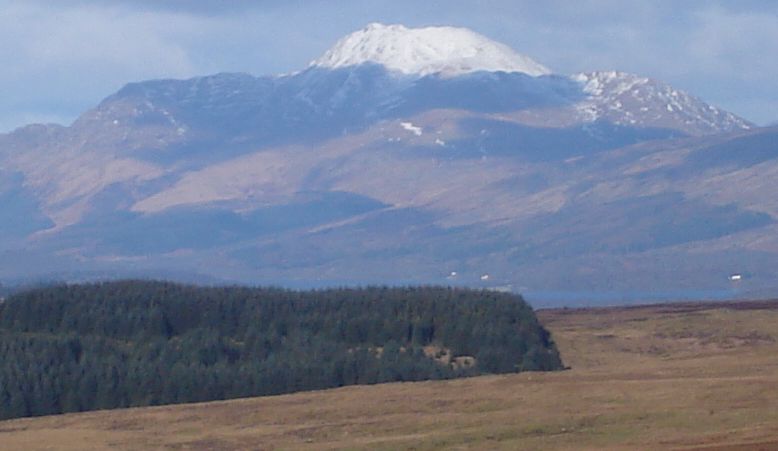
(669, 376)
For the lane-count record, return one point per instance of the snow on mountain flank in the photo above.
(411, 128)
(628, 99)
(423, 51)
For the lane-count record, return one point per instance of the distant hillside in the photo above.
(402, 156)
(132, 343)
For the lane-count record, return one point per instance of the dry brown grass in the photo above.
(660, 377)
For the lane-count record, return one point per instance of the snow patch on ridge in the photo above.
(423, 51)
(628, 99)
(411, 128)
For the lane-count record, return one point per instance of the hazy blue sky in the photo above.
(62, 57)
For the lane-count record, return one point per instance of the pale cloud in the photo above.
(741, 43)
(95, 38)
(195, 7)
(61, 61)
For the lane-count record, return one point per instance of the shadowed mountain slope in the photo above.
(368, 168)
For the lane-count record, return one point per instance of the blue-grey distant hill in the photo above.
(358, 171)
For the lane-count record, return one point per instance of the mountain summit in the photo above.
(402, 155)
(423, 51)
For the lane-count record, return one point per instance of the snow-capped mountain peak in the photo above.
(424, 51)
(628, 99)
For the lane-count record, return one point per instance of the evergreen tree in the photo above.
(134, 343)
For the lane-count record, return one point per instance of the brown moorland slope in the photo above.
(673, 376)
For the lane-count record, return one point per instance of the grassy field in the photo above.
(682, 376)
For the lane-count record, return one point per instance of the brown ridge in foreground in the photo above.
(678, 306)
(667, 376)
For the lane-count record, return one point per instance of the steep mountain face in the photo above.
(627, 99)
(401, 155)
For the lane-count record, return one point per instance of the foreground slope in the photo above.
(687, 376)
